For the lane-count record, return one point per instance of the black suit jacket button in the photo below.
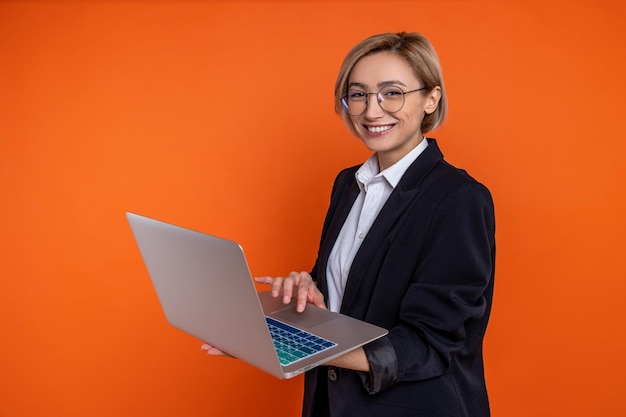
(332, 375)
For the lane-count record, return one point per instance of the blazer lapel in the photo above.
(337, 214)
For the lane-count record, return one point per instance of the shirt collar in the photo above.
(368, 172)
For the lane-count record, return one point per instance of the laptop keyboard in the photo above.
(293, 344)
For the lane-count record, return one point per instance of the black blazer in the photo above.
(425, 272)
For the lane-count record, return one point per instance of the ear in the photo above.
(432, 100)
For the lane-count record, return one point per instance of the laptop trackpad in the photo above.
(311, 316)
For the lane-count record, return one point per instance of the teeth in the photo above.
(378, 129)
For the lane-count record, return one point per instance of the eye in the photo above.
(356, 95)
(391, 93)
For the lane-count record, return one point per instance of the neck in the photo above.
(388, 158)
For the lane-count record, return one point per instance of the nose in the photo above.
(373, 109)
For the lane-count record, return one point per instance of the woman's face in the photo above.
(390, 135)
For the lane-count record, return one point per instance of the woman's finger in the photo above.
(277, 286)
(264, 280)
(288, 284)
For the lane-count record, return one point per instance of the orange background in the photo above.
(219, 116)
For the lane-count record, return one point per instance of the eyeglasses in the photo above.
(390, 99)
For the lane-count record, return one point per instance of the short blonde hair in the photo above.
(416, 50)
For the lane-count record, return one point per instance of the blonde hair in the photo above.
(416, 50)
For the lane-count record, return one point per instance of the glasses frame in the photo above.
(380, 99)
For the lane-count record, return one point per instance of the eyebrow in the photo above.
(379, 85)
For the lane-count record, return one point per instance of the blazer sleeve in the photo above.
(449, 294)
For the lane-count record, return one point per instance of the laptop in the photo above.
(205, 289)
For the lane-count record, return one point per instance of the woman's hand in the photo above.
(213, 351)
(298, 284)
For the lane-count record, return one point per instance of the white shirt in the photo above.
(376, 187)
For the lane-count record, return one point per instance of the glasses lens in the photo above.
(354, 102)
(391, 99)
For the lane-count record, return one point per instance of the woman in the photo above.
(407, 244)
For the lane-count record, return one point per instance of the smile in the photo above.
(378, 129)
